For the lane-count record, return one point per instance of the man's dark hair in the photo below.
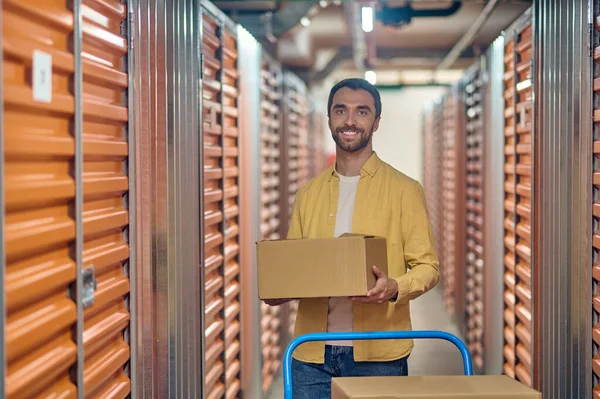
(356, 84)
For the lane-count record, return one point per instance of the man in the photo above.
(361, 194)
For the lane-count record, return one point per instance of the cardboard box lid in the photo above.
(421, 387)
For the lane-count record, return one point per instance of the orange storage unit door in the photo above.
(519, 297)
(270, 134)
(294, 160)
(43, 180)
(509, 209)
(220, 133)
(39, 193)
(452, 201)
(596, 212)
(475, 214)
(105, 187)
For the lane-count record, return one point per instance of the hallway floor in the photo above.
(430, 357)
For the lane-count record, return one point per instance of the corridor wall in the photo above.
(537, 228)
(65, 186)
(127, 245)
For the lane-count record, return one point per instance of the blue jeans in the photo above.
(313, 381)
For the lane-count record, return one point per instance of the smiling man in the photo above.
(361, 194)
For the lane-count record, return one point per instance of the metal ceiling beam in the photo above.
(469, 35)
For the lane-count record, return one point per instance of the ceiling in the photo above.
(330, 39)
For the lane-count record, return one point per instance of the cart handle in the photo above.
(356, 335)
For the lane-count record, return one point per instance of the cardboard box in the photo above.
(431, 387)
(316, 268)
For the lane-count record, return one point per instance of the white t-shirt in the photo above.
(339, 317)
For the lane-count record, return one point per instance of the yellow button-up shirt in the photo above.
(388, 204)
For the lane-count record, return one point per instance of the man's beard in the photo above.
(355, 145)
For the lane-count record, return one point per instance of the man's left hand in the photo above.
(385, 289)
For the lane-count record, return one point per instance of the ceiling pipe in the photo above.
(384, 53)
(468, 37)
(273, 25)
(354, 23)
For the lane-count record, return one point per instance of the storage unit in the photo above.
(65, 190)
(270, 122)
(596, 207)
(452, 202)
(294, 158)
(434, 130)
(475, 225)
(519, 132)
(221, 206)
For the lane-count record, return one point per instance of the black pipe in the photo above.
(400, 16)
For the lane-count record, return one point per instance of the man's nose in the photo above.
(351, 120)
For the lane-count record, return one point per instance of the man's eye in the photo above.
(339, 111)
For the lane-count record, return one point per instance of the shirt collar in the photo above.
(369, 168)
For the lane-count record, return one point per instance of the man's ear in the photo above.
(376, 124)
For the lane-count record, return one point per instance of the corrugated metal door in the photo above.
(40, 192)
(518, 240)
(474, 217)
(229, 97)
(433, 129)
(214, 250)
(271, 89)
(105, 185)
(448, 200)
(429, 163)
(596, 208)
(221, 207)
(509, 208)
(294, 159)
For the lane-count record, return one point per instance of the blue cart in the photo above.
(422, 334)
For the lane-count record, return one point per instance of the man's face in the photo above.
(352, 119)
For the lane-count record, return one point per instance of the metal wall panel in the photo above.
(519, 262)
(566, 130)
(494, 206)
(251, 206)
(166, 319)
(474, 92)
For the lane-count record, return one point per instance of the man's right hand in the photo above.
(276, 302)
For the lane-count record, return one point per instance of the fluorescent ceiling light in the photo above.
(371, 77)
(367, 19)
(305, 21)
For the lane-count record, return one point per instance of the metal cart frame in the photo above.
(418, 334)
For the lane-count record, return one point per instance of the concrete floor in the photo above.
(430, 357)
